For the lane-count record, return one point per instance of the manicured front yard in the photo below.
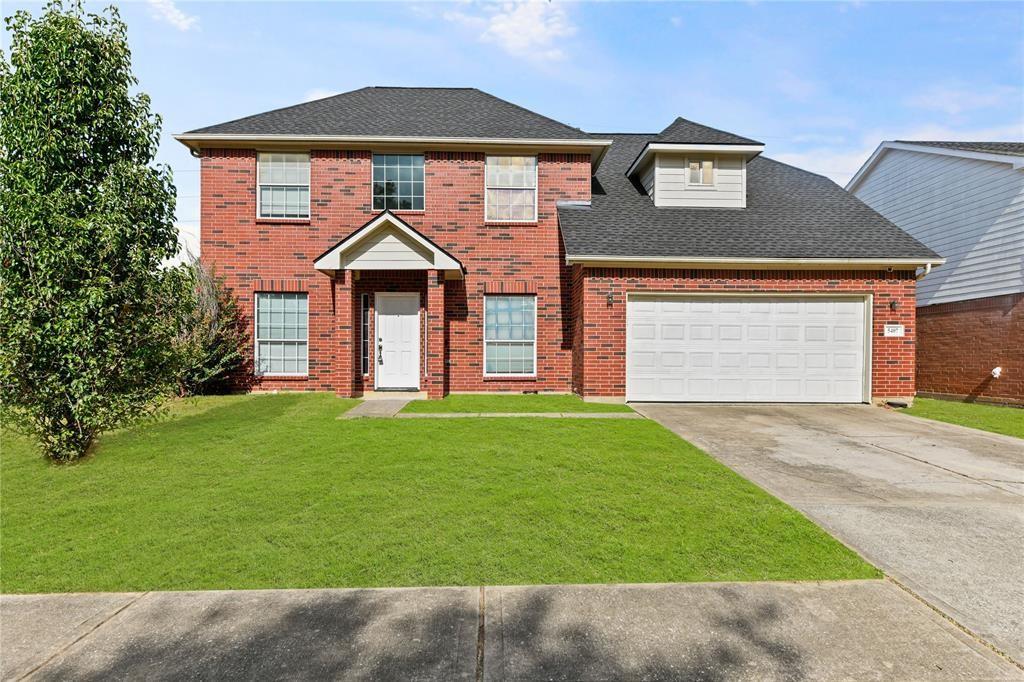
(511, 403)
(274, 491)
(995, 418)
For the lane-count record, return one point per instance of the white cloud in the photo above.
(956, 99)
(318, 93)
(676, 21)
(532, 29)
(166, 10)
(840, 164)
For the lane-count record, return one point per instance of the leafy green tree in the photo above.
(210, 337)
(86, 219)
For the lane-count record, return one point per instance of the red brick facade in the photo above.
(580, 336)
(277, 255)
(959, 344)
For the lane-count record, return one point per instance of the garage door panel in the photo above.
(747, 349)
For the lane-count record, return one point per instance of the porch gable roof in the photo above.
(387, 242)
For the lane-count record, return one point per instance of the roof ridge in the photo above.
(680, 119)
(417, 87)
(959, 141)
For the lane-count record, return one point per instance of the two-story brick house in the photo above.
(442, 240)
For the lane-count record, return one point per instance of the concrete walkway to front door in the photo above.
(938, 507)
(377, 408)
(713, 631)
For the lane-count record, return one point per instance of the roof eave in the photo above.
(748, 151)
(196, 141)
(904, 263)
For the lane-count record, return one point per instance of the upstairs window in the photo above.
(398, 182)
(283, 185)
(511, 191)
(700, 172)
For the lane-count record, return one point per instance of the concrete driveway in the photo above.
(938, 507)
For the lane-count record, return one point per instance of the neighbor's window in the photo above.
(398, 182)
(282, 333)
(283, 185)
(701, 171)
(512, 188)
(510, 334)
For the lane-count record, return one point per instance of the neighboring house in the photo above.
(965, 200)
(443, 240)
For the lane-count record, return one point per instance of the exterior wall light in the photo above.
(610, 298)
(894, 305)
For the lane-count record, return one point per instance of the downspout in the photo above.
(927, 269)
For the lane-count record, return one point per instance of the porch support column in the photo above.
(435, 346)
(345, 348)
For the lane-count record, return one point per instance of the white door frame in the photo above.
(867, 297)
(375, 345)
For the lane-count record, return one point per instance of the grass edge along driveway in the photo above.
(1008, 421)
(274, 492)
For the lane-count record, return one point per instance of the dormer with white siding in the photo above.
(689, 165)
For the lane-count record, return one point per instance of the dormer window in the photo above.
(701, 171)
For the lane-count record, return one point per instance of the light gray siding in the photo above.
(969, 211)
(671, 188)
(388, 249)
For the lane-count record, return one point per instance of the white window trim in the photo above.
(400, 210)
(366, 355)
(714, 173)
(256, 336)
(536, 192)
(483, 336)
(308, 186)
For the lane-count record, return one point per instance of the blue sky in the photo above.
(820, 83)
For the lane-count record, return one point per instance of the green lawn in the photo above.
(274, 491)
(995, 418)
(512, 403)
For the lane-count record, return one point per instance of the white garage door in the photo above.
(749, 349)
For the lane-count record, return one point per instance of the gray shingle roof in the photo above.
(791, 213)
(1014, 148)
(403, 112)
(681, 131)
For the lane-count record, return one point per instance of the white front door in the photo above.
(398, 341)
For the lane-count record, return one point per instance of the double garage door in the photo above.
(746, 349)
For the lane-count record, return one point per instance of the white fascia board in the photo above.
(332, 260)
(768, 263)
(1017, 162)
(748, 151)
(195, 140)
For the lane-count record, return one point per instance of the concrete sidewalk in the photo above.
(711, 631)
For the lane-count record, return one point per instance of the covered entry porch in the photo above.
(388, 284)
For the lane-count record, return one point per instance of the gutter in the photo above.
(768, 263)
(195, 141)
